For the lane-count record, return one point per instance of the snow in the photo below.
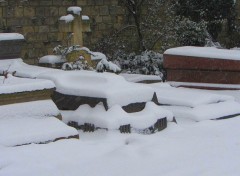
(34, 109)
(188, 97)
(139, 77)
(24, 70)
(67, 18)
(19, 131)
(75, 10)
(86, 18)
(204, 148)
(11, 36)
(13, 84)
(100, 85)
(97, 55)
(206, 112)
(225, 86)
(51, 59)
(5, 64)
(116, 116)
(207, 52)
(207, 147)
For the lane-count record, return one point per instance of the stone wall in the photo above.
(38, 21)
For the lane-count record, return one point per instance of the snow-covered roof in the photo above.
(206, 52)
(11, 36)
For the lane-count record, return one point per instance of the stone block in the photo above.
(52, 36)
(44, 28)
(29, 11)
(99, 2)
(28, 29)
(103, 10)
(40, 11)
(53, 11)
(107, 19)
(13, 22)
(67, 3)
(81, 2)
(98, 19)
(57, 2)
(62, 11)
(45, 3)
(18, 12)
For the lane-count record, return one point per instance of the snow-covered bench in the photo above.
(202, 65)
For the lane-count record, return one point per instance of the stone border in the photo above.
(27, 96)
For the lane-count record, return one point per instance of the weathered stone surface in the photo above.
(201, 76)
(196, 63)
(32, 18)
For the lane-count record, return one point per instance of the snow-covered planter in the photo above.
(10, 45)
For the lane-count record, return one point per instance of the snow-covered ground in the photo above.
(204, 148)
(188, 148)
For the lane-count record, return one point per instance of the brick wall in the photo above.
(38, 21)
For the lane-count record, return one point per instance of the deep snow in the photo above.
(206, 148)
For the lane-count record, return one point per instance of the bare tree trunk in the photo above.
(134, 7)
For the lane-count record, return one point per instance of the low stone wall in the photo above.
(38, 21)
(25, 96)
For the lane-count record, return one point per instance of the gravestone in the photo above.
(11, 45)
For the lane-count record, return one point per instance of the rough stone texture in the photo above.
(38, 21)
(201, 70)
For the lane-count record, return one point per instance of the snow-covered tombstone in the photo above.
(11, 45)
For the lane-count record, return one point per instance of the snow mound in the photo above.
(20, 131)
(34, 109)
(5, 64)
(139, 77)
(11, 36)
(24, 70)
(51, 59)
(188, 97)
(67, 18)
(13, 84)
(116, 116)
(206, 112)
(207, 52)
(75, 10)
(100, 85)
